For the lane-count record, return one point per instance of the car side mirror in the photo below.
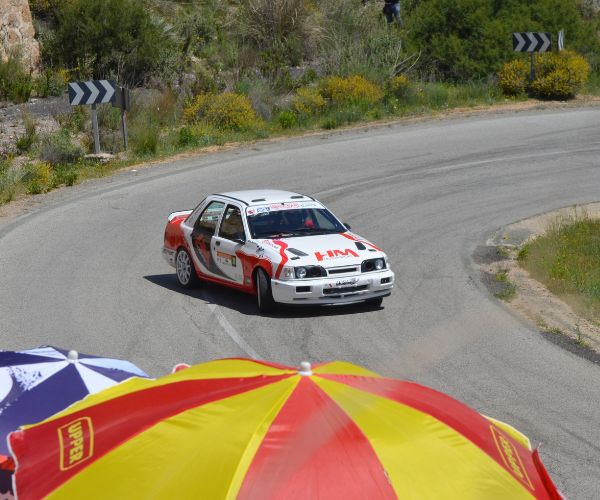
(347, 226)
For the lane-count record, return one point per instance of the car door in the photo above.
(202, 235)
(230, 237)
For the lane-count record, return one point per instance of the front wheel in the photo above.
(264, 294)
(375, 303)
(184, 267)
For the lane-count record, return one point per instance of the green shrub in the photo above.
(308, 101)
(57, 148)
(436, 95)
(16, 83)
(462, 40)
(225, 111)
(560, 75)
(51, 83)
(111, 37)
(145, 137)
(282, 32)
(330, 123)
(352, 89)
(286, 119)
(25, 142)
(37, 177)
(9, 180)
(401, 87)
(64, 174)
(74, 121)
(186, 136)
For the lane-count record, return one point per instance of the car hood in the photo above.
(326, 250)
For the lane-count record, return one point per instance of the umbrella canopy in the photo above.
(246, 429)
(37, 383)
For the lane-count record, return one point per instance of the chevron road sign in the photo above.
(531, 42)
(561, 40)
(92, 92)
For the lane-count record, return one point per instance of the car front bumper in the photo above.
(169, 255)
(346, 290)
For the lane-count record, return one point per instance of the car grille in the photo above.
(344, 290)
(342, 270)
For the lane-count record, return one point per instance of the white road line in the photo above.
(232, 332)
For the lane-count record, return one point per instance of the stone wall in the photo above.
(16, 32)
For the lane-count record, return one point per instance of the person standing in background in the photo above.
(391, 9)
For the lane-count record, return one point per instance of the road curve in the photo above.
(83, 269)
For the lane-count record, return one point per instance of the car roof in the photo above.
(262, 196)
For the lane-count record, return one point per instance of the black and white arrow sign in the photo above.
(531, 42)
(92, 92)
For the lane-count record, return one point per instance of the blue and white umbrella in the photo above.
(37, 383)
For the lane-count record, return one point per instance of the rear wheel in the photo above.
(264, 294)
(184, 267)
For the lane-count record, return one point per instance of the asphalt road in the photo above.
(83, 269)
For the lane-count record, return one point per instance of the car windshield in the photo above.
(294, 222)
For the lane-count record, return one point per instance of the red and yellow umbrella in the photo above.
(248, 429)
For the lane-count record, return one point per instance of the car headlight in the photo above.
(310, 272)
(372, 265)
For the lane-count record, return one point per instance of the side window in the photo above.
(232, 226)
(207, 222)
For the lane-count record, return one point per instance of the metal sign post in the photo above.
(92, 92)
(123, 101)
(531, 42)
(95, 130)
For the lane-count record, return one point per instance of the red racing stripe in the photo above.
(506, 451)
(282, 246)
(40, 467)
(313, 450)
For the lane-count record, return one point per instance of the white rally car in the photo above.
(283, 247)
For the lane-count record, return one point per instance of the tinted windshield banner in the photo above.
(274, 207)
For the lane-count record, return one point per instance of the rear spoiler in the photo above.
(179, 214)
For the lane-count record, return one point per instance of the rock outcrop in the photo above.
(17, 32)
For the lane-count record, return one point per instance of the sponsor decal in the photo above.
(511, 457)
(273, 207)
(227, 259)
(342, 283)
(334, 254)
(76, 442)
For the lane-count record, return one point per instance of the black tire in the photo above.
(264, 295)
(375, 303)
(185, 270)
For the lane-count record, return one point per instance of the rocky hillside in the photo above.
(17, 32)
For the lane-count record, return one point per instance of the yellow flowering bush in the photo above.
(557, 75)
(351, 89)
(513, 77)
(560, 75)
(400, 86)
(225, 111)
(308, 101)
(37, 177)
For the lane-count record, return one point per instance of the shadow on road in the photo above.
(246, 304)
